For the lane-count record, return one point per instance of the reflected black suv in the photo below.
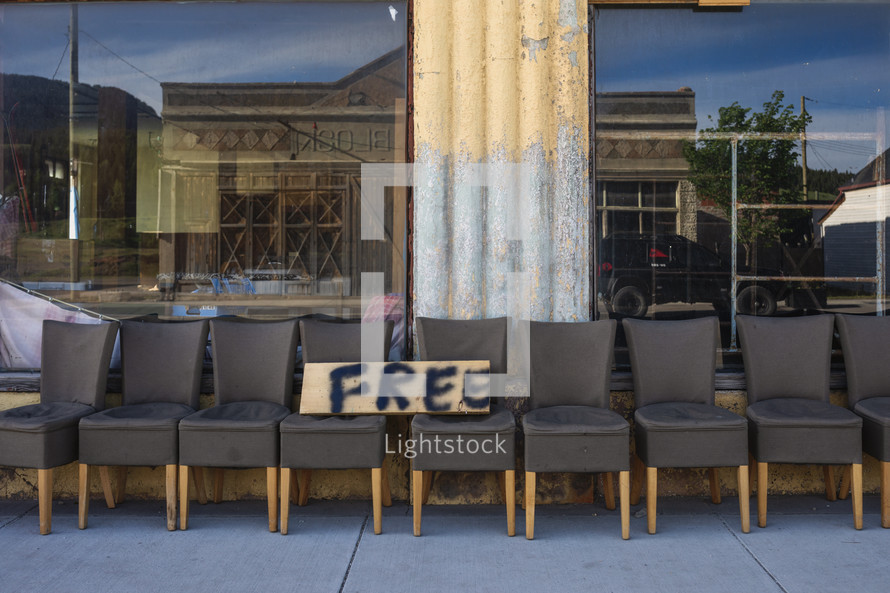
(637, 271)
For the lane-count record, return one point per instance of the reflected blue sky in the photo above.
(133, 46)
(837, 55)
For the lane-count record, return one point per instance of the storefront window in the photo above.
(741, 151)
(200, 159)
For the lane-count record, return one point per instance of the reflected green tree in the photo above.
(768, 169)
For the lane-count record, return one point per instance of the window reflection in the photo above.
(215, 154)
(809, 237)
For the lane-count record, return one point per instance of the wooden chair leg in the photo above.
(105, 478)
(752, 474)
(305, 481)
(885, 494)
(529, 500)
(218, 477)
(377, 498)
(856, 480)
(294, 487)
(200, 489)
(510, 498)
(830, 484)
(45, 500)
(172, 472)
(636, 487)
(272, 496)
(286, 481)
(624, 501)
(386, 492)
(184, 496)
(609, 490)
(714, 481)
(417, 479)
(762, 481)
(427, 485)
(744, 499)
(651, 496)
(844, 490)
(502, 485)
(83, 495)
(121, 492)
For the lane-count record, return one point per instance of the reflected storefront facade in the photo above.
(202, 159)
(211, 164)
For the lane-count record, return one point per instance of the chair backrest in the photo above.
(464, 339)
(786, 356)
(162, 361)
(324, 341)
(253, 360)
(74, 361)
(865, 342)
(571, 363)
(673, 361)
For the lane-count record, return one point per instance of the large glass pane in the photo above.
(681, 95)
(196, 159)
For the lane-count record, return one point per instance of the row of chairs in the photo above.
(159, 423)
(569, 427)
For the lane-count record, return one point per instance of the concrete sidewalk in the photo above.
(808, 546)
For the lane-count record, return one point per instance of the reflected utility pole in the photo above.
(73, 222)
(803, 145)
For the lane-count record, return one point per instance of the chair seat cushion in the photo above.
(580, 439)
(138, 435)
(573, 420)
(41, 435)
(332, 442)
(797, 430)
(249, 416)
(497, 420)
(302, 423)
(684, 416)
(237, 435)
(153, 416)
(875, 413)
(466, 442)
(684, 434)
(876, 409)
(793, 412)
(44, 417)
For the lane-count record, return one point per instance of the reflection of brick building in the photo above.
(263, 180)
(640, 170)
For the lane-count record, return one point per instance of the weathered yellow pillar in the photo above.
(501, 140)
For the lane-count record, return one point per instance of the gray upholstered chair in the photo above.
(452, 339)
(787, 367)
(334, 442)
(676, 423)
(73, 375)
(161, 364)
(253, 374)
(570, 427)
(865, 342)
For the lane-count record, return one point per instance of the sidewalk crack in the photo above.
(752, 555)
(354, 551)
(18, 517)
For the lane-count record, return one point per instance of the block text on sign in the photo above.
(459, 387)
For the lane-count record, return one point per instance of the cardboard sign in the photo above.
(409, 387)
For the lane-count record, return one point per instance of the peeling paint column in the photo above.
(501, 145)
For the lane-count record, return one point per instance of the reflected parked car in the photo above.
(637, 271)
